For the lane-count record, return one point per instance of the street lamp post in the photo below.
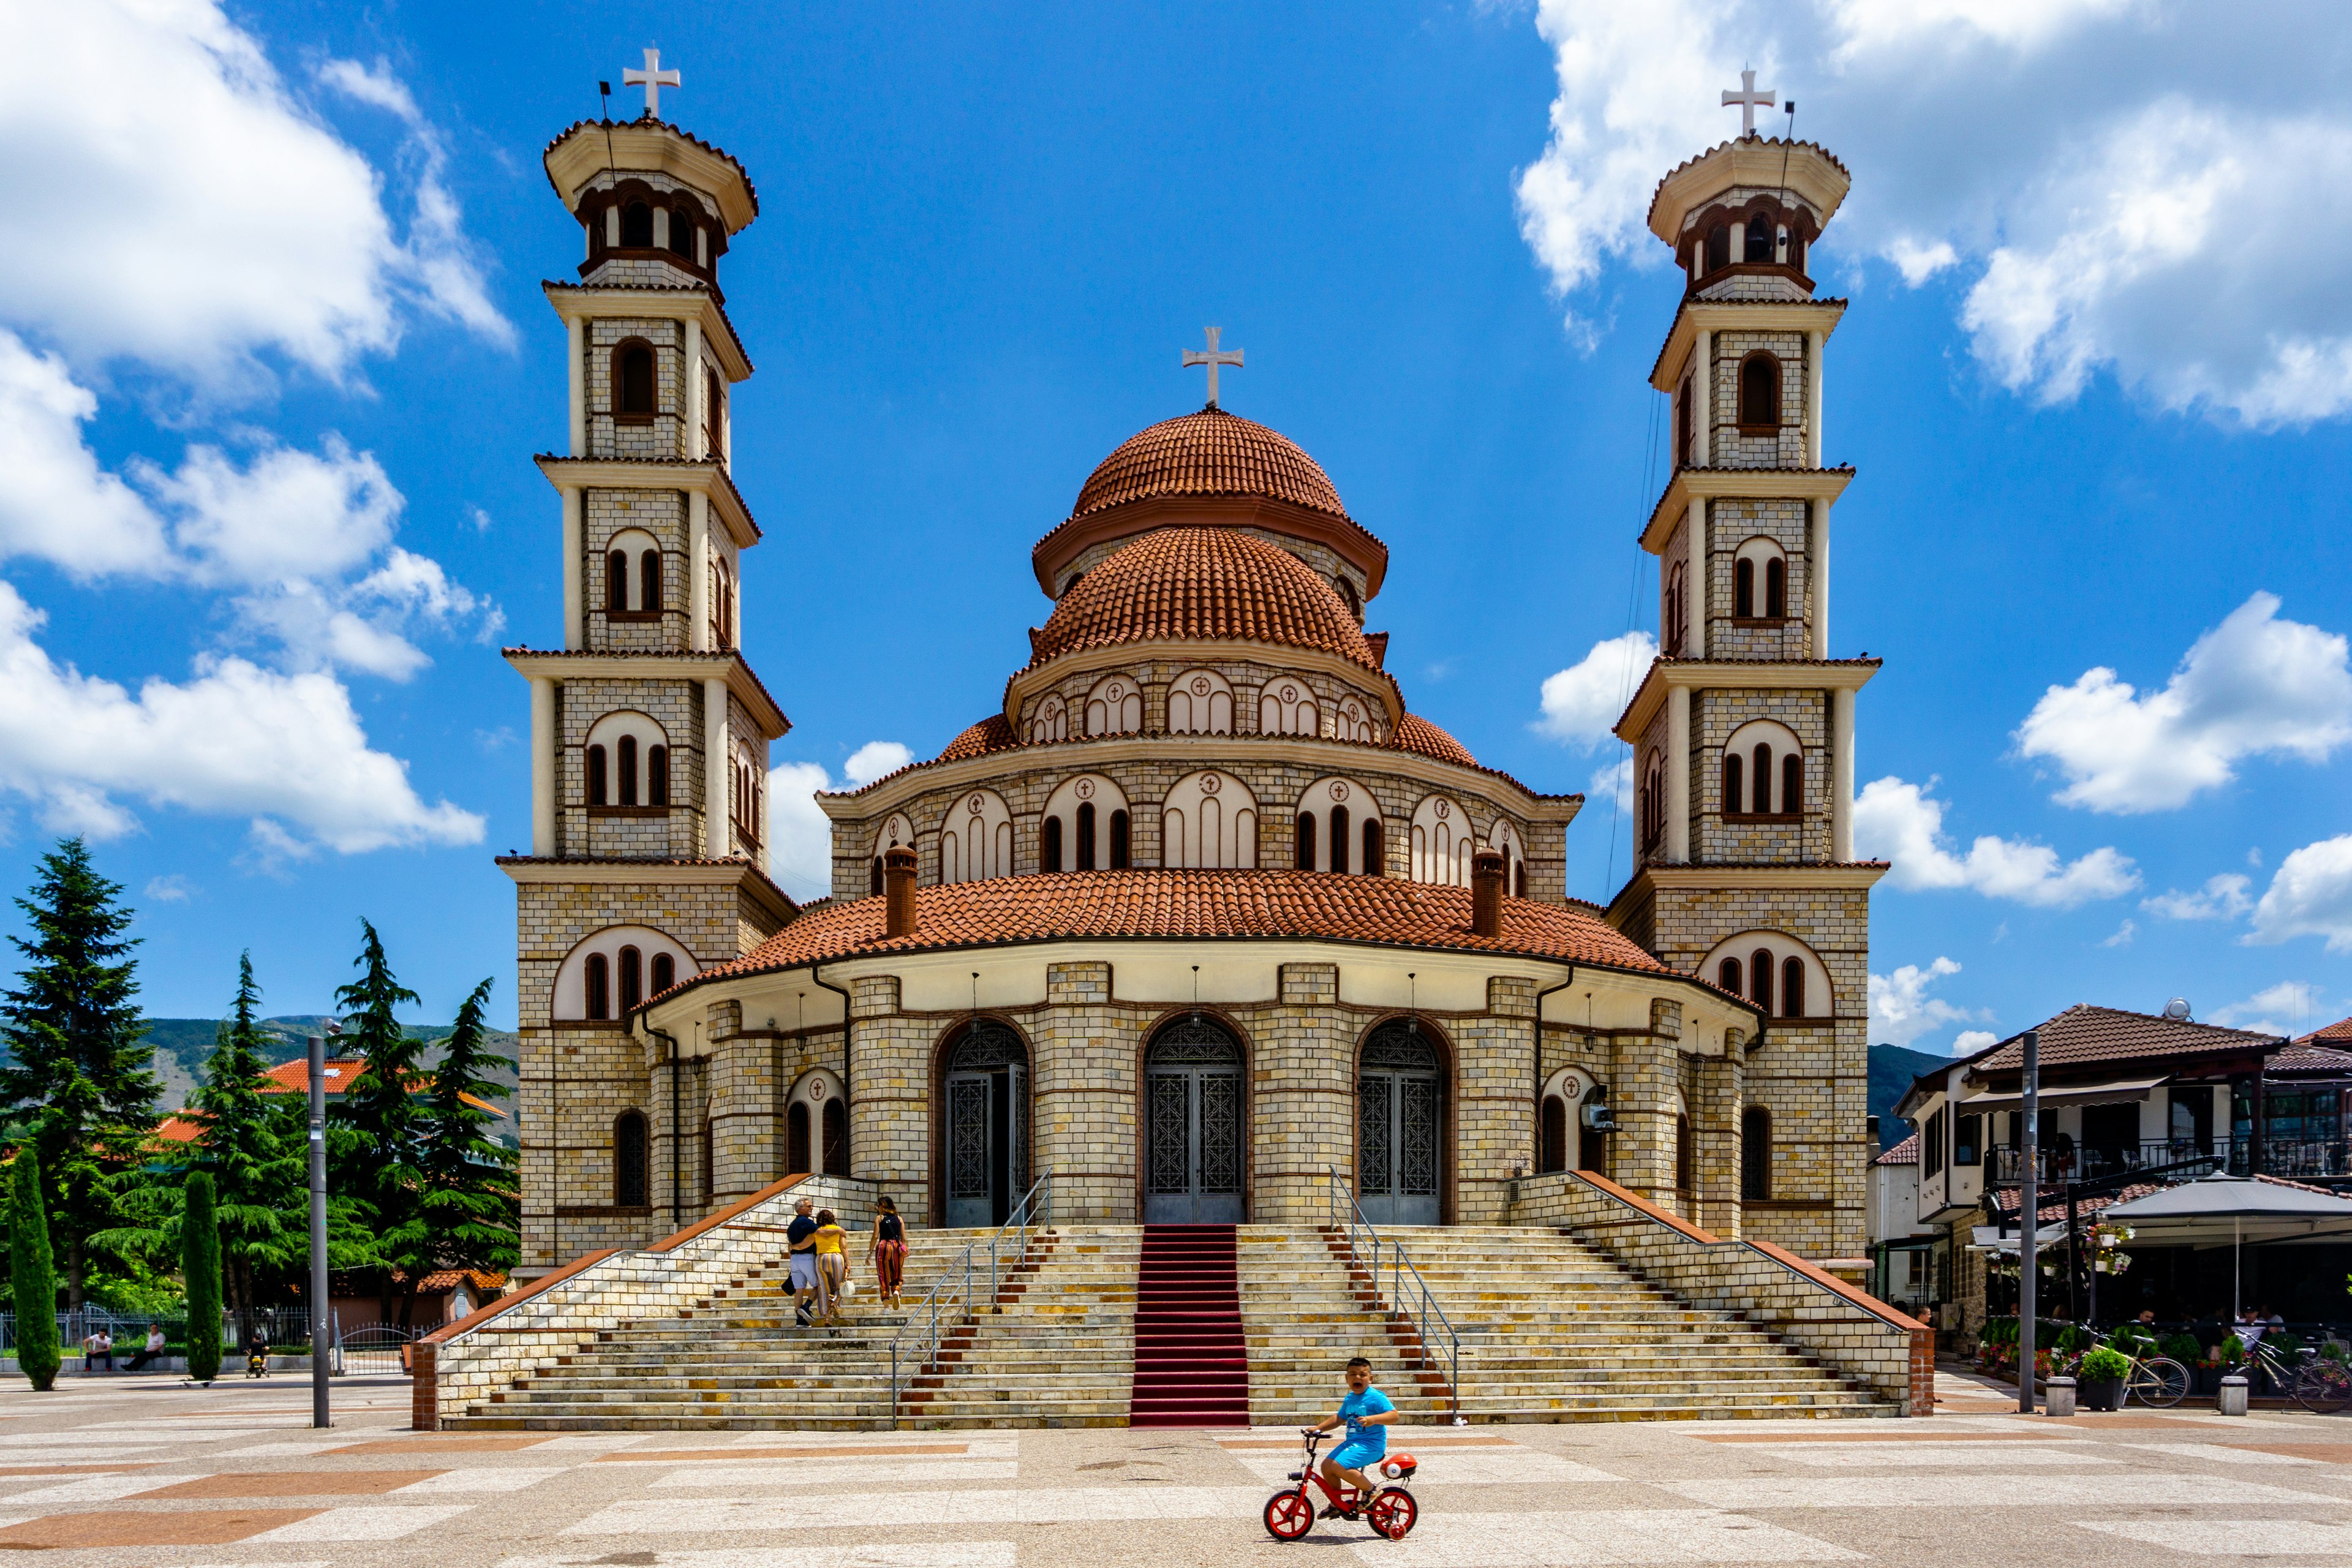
(2028, 1218)
(320, 1364)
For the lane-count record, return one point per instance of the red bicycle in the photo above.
(1392, 1512)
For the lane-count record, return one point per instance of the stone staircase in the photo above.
(1304, 1312)
(1060, 1351)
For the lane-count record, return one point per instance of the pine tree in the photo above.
(471, 1210)
(32, 1272)
(376, 1109)
(259, 1176)
(200, 1271)
(79, 1077)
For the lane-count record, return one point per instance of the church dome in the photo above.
(1191, 584)
(1212, 453)
(1415, 733)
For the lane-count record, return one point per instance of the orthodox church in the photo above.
(1199, 920)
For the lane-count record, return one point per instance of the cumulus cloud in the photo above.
(2222, 898)
(2122, 935)
(1901, 1010)
(171, 889)
(1968, 1042)
(1614, 784)
(800, 848)
(2253, 686)
(1581, 703)
(285, 751)
(59, 505)
(2098, 219)
(1900, 822)
(2286, 1008)
(2310, 895)
(874, 760)
(193, 212)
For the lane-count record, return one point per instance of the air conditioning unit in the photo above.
(1598, 1120)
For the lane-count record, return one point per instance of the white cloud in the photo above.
(1614, 782)
(2122, 935)
(171, 889)
(2224, 898)
(1968, 1042)
(237, 740)
(2287, 1008)
(2310, 895)
(176, 204)
(1900, 822)
(1901, 1010)
(284, 514)
(2105, 220)
(874, 760)
(59, 504)
(1581, 703)
(800, 850)
(2253, 686)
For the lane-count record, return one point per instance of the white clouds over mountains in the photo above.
(2040, 148)
(1900, 822)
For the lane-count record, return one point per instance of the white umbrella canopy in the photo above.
(2218, 1211)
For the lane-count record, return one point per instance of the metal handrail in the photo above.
(1409, 1295)
(1033, 1212)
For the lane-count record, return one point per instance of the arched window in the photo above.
(1327, 843)
(1085, 807)
(1743, 590)
(1759, 980)
(1755, 1153)
(1793, 988)
(1199, 702)
(1731, 978)
(629, 1149)
(1792, 785)
(1759, 237)
(1796, 250)
(1760, 580)
(714, 414)
(797, 1148)
(1286, 707)
(637, 226)
(1684, 1163)
(1049, 846)
(649, 583)
(1338, 838)
(665, 974)
(681, 233)
(1119, 837)
(627, 757)
(709, 1162)
(1115, 707)
(1760, 752)
(616, 582)
(722, 605)
(1776, 589)
(1519, 880)
(1653, 803)
(632, 968)
(596, 791)
(1051, 721)
(600, 986)
(632, 379)
(1685, 452)
(1769, 962)
(1373, 846)
(1760, 392)
(836, 1137)
(658, 775)
(1551, 1139)
(874, 876)
(1735, 772)
(1718, 248)
(1348, 596)
(1675, 612)
(1305, 859)
(1085, 845)
(1763, 801)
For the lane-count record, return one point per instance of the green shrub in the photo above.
(199, 1269)
(2104, 1366)
(2233, 1350)
(32, 1273)
(2182, 1348)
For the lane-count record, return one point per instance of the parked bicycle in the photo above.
(2157, 1381)
(2317, 1385)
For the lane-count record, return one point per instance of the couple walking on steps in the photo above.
(820, 1261)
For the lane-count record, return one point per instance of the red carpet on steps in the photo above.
(1191, 1366)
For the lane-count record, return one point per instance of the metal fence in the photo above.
(286, 1325)
(2301, 1159)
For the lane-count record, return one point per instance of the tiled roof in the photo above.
(2336, 1033)
(1188, 583)
(645, 121)
(1766, 141)
(1904, 1154)
(1415, 733)
(442, 1280)
(1195, 904)
(2085, 1036)
(993, 733)
(294, 1078)
(2305, 1055)
(1211, 453)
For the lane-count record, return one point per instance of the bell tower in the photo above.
(649, 732)
(1743, 729)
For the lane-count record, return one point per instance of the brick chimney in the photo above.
(1487, 892)
(899, 892)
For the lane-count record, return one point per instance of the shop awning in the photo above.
(2220, 1211)
(1988, 1237)
(2126, 1091)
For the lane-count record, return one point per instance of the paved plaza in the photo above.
(148, 1472)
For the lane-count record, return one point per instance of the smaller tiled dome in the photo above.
(993, 733)
(1414, 733)
(1189, 583)
(1212, 453)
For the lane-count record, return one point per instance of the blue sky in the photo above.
(274, 370)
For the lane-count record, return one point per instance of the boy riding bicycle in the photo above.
(1366, 1410)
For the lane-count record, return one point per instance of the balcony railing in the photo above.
(2292, 1158)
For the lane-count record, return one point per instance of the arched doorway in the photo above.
(1400, 1127)
(1192, 1124)
(816, 1126)
(984, 1124)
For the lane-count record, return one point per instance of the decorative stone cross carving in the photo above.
(1750, 98)
(653, 78)
(1212, 359)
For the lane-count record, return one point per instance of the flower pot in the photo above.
(2099, 1392)
(2208, 1379)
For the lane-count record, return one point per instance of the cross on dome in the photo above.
(1212, 359)
(1750, 98)
(653, 78)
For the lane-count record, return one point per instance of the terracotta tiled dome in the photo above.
(1211, 453)
(1203, 582)
(993, 733)
(1414, 733)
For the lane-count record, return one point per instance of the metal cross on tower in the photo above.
(1212, 359)
(653, 78)
(1750, 98)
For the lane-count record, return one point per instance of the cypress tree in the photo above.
(32, 1272)
(80, 1075)
(471, 1209)
(259, 1180)
(377, 1108)
(200, 1272)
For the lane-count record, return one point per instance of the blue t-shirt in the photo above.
(1355, 1407)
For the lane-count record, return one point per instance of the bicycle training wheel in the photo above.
(1288, 1516)
(2325, 1386)
(1393, 1513)
(2160, 1381)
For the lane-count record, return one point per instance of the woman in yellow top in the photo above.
(832, 1266)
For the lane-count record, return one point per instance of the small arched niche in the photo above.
(1114, 706)
(626, 762)
(1209, 819)
(816, 1125)
(605, 975)
(1200, 702)
(976, 839)
(1782, 976)
(1442, 842)
(1763, 771)
(893, 834)
(1759, 581)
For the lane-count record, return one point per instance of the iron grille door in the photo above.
(1416, 1137)
(1170, 1170)
(1374, 1114)
(1221, 1133)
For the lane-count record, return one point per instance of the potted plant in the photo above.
(2099, 1381)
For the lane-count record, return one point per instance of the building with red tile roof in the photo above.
(294, 1078)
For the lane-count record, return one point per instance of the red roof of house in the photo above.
(2337, 1032)
(2083, 1036)
(294, 1078)
(1904, 1154)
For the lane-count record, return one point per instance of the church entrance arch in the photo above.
(1400, 1126)
(984, 1124)
(1194, 1142)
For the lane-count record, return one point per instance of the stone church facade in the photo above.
(1199, 921)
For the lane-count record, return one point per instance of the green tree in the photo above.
(32, 1272)
(200, 1267)
(380, 1159)
(80, 1077)
(470, 1208)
